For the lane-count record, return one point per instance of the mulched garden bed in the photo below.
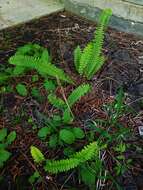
(60, 33)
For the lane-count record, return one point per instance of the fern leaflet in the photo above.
(105, 17)
(96, 51)
(77, 56)
(96, 67)
(56, 102)
(78, 93)
(85, 57)
(61, 165)
(87, 152)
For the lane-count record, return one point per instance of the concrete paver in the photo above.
(13, 12)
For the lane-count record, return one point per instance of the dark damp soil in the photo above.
(61, 33)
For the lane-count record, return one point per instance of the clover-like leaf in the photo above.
(67, 136)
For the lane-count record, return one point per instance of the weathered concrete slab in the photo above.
(127, 14)
(13, 12)
(137, 2)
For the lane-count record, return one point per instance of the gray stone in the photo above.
(137, 2)
(140, 130)
(13, 12)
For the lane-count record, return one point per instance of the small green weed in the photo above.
(5, 140)
(21, 89)
(66, 104)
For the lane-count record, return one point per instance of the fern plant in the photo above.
(34, 57)
(86, 154)
(89, 60)
(56, 166)
(86, 161)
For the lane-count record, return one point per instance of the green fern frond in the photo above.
(61, 165)
(91, 58)
(96, 67)
(18, 70)
(105, 17)
(78, 93)
(85, 57)
(35, 51)
(30, 49)
(24, 49)
(56, 72)
(96, 51)
(86, 154)
(42, 68)
(98, 43)
(56, 102)
(45, 57)
(33, 56)
(24, 61)
(77, 56)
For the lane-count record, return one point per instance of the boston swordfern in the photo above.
(63, 165)
(89, 60)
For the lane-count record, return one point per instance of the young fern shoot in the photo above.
(89, 60)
